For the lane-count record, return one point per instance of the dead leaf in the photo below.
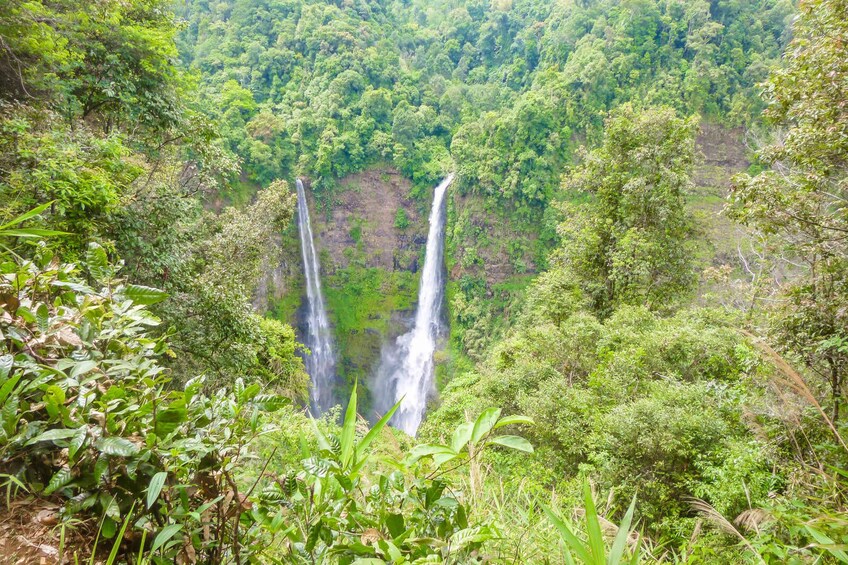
(370, 536)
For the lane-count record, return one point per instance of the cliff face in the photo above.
(373, 222)
(371, 235)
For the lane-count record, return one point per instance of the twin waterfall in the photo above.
(321, 364)
(406, 369)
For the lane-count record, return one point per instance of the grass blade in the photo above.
(618, 546)
(349, 429)
(593, 526)
(117, 545)
(571, 541)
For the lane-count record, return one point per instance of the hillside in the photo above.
(423, 281)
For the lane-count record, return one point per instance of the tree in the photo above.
(629, 245)
(801, 199)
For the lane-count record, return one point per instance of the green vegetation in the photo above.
(361, 301)
(624, 381)
(401, 219)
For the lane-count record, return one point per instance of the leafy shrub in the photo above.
(88, 414)
(410, 512)
(401, 219)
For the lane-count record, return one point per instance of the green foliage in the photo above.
(216, 328)
(88, 413)
(628, 246)
(110, 63)
(798, 201)
(643, 403)
(332, 88)
(82, 174)
(594, 551)
(13, 228)
(355, 296)
(470, 437)
(401, 219)
(105, 142)
(338, 514)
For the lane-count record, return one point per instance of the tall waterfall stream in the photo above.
(406, 369)
(321, 364)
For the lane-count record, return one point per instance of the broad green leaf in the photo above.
(5, 365)
(77, 441)
(249, 392)
(61, 478)
(116, 446)
(156, 484)
(392, 550)
(101, 468)
(440, 459)
(27, 215)
(316, 466)
(344, 480)
(824, 541)
(426, 450)
(513, 442)
(30, 232)
(395, 524)
(462, 538)
(113, 555)
(97, 261)
(9, 414)
(110, 506)
(52, 435)
(461, 436)
(172, 417)
(484, 423)
(82, 368)
(270, 402)
(323, 442)
(8, 386)
(108, 528)
(164, 535)
(508, 420)
(371, 435)
(54, 399)
(42, 316)
(144, 294)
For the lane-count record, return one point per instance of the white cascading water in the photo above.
(321, 364)
(407, 370)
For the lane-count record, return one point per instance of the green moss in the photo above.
(356, 233)
(361, 302)
(401, 219)
(285, 308)
(283, 303)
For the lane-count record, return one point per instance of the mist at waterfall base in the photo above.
(321, 363)
(406, 369)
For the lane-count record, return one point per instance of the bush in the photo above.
(401, 219)
(88, 412)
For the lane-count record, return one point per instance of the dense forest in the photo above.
(636, 349)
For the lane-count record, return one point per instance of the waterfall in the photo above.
(321, 364)
(407, 370)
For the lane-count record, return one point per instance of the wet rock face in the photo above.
(362, 224)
